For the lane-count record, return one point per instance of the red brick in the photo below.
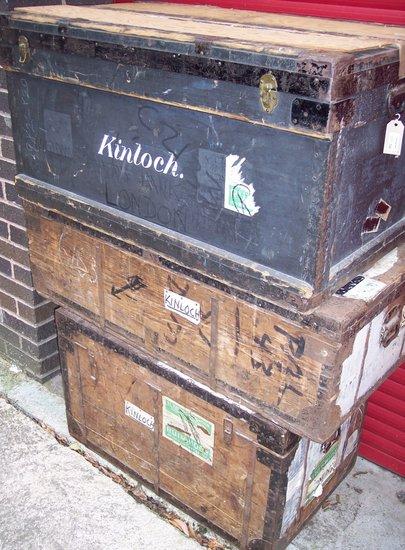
(7, 149)
(12, 213)
(37, 314)
(7, 302)
(7, 170)
(23, 275)
(4, 107)
(18, 236)
(9, 250)
(5, 266)
(19, 291)
(5, 126)
(3, 229)
(40, 350)
(11, 193)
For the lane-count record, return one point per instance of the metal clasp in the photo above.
(391, 326)
(24, 49)
(268, 92)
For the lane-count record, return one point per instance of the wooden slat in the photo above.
(178, 28)
(270, 20)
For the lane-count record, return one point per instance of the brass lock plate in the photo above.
(268, 92)
(23, 49)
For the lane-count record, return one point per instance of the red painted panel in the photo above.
(385, 415)
(391, 12)
(383, 436)
(382, 459)
(384, 445)
(388, 402)
(392, 388)
(399, 376)
(384, 430)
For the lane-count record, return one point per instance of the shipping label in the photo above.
(139, 415)
(188, 430)
(183, 306)
(321, 473)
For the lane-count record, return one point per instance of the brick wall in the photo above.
(27, 331)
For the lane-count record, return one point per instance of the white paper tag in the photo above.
(366, 290)
(183, 306)
(393, 137)
(139, 415)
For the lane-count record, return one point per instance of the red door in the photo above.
(391, 12)
(383, 436)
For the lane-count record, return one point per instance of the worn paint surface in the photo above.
(217, 464)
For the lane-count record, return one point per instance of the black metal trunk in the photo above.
(270, 167)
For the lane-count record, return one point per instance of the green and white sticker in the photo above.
(188, 430)
(239, 195)
(321, 473)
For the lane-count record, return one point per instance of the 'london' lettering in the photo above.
(114, 149)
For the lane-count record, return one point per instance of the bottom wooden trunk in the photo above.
(250, 478)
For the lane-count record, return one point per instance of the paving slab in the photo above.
(52, 497)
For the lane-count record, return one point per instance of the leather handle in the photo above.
(396, 99)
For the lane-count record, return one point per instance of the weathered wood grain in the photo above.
(252, 36)
(248, 489)
(307, 373)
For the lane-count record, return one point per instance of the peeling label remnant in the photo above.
(383, 209)
(351, 444)
(371, 224)
(239, 195)
(367, 289)
(139, 415)
(58, 133)
(188, 430)
(348, 286)
(383, 264)
(368, 363)
(185, 307)
(321, 473)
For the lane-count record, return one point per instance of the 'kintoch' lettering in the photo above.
(113, 148)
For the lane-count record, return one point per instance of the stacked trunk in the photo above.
(222, 229)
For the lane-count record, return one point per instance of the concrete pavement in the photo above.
(53, 497)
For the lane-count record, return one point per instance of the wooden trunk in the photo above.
(306, 372)
(255, 481)
(252, 145)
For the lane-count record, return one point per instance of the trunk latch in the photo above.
(24, 49)
(268, 92)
